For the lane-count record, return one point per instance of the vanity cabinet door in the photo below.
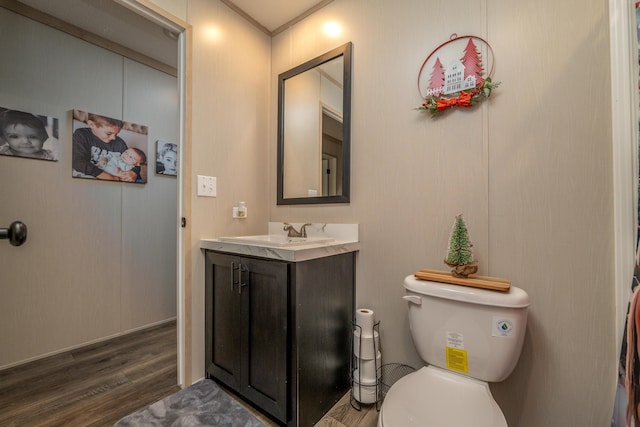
(223, 320)
(266, 326)
(247, 327)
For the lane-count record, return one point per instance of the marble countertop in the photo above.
(292, 253)
(345, 240)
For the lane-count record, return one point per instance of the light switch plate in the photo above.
(206, 186)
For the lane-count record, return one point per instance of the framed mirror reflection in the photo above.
(314, 128)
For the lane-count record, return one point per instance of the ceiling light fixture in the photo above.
(213, 32)
(332, 29)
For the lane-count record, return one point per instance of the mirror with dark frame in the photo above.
(314, 128)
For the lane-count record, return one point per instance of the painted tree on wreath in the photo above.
(472, 62)
(436, 80)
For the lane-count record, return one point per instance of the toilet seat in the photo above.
(434, 397)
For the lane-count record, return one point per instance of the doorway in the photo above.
(92, 247)
(331, 151)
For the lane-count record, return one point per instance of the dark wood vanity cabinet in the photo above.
(278, 333)
(247, 321)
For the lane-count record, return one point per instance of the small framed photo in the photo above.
(166, 158)
(24, 134)
(106, 148)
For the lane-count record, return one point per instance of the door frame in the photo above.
(153, 13)
(624, 134)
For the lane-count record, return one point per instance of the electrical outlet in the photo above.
(206, 186)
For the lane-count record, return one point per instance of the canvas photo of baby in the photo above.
(24, 134)
(166, 158)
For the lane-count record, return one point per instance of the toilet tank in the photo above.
(472, 331)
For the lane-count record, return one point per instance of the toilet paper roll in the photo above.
(364, 393)
(365, 347)
(359, 379)
(364, 319)
(368, 369)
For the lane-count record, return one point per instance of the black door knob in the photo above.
(16, 233)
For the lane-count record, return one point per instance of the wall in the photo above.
(177, 8)
(230, 137)
(100, 257)
(531, 171)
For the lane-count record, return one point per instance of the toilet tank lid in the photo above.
(515, 298)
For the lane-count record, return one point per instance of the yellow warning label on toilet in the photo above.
(457, 360)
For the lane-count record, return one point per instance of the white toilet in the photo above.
(469, 337)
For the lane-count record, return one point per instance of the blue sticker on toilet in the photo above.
(503, 327)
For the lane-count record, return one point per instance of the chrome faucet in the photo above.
(292, 232)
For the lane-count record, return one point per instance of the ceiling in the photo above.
(116, 23)
(273, 14)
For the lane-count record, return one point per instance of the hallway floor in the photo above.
(99, 384)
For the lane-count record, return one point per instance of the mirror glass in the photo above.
(314, 116)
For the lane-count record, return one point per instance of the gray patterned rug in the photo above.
(201, 404)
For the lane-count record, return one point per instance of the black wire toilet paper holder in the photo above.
(354, 365)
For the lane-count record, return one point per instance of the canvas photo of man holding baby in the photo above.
(110, 149)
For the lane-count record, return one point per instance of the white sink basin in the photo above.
(276, 240)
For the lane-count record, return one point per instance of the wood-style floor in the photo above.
(341, 415)
(98, 384)
(92, 386)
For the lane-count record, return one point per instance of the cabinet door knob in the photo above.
(233, 274)
(243, 269)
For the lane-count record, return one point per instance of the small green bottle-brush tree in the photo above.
(460, 253)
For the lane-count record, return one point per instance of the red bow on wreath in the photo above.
(464, 100)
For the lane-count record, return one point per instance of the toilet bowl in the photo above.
(434, 397)
(468, 337)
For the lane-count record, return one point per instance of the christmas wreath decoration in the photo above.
(458, 84)
(437, 104)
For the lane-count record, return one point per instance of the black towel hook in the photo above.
(16, 233)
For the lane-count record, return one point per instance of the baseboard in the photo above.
(75, 347)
